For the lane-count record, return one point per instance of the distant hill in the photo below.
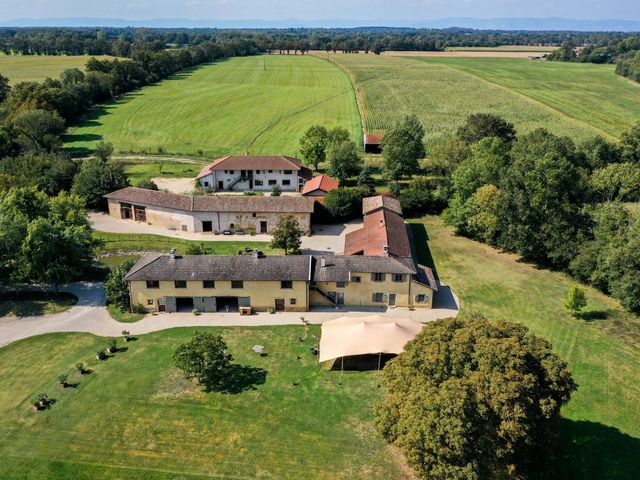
(535, 24)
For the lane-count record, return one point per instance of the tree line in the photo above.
(121, 42)
(624, 52)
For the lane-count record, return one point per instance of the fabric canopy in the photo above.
(346, 336)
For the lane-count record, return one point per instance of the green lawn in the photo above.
(589, 93)
(139, 170)
(259, 104)
(135, 417)
(442, 95)
(26, 304)
(136, 242)
(34, 68)
(601, 430)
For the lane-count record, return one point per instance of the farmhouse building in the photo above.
(373, 142)
(208, 213)
(384, 232)
(282, 283)
(251, 173)
(319, 186)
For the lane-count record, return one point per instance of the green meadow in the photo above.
(442, 92)
(34, 68)
(593, 94)
(260, 105)
(281, 416)
(600, 431)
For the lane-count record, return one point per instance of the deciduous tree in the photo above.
(473, 399)
(116, 286)
(313, 146)
(204, 359)
(287, 235)
(344, 160)
(485, 125)
(402, 147)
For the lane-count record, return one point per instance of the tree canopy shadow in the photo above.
(239, 378)
(591, 450)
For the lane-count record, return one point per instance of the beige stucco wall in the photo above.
(361, 294)
(262, 293)
(163, 217)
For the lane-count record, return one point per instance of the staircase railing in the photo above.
(326, 295)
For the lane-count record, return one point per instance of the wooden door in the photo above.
(161, 305)
(140, 214)
(392, 299)
(279, 304)
(263, 226)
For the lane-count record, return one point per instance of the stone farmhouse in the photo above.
(380, 273)
(208, 213)
(251, 173)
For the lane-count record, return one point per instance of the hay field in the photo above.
(260, 105)
(593, 94)
(442, 97)
(487, 53)
(34, 68)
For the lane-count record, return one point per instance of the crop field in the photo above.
(592, 94)
(442, 95)
(260, 105)
(34, 68)
(601, 427)
(280, 416)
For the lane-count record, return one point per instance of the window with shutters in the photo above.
(378, 277)
(398, 277)
(421, 298)
(378, 297)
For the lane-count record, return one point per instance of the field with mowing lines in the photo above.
(601, 430)
(442, 97)
(283, 416)
(34, 68)
(260, 105)
(593, 94)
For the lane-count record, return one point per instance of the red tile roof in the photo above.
(383, 228)
(252, 162)
(371, 204)
(373, 138)
(321, 182)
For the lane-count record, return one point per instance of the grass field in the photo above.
(26, 304)
(601, 432)
(504, 48)
(442, 92)
(593, 94)
(139, 170)
(135, 417)
(33, 68)
(260, 105)
(111, 242)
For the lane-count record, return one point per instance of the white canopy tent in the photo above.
(374, 334)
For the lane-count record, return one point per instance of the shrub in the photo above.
(80, 368)
(113, 345)
(344, 204)
(276, 191)
(63, 378)
(126, 334)
(100, 355)
(576, 300)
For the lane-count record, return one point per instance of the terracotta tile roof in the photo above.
(383, 228)
(211, 267)
(321, 182)
(337, 267)
(370, 204)
(252, 162)
(213, 203)
(373, 138)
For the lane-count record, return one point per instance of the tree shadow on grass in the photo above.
(590, 450)
(594, 315)
(239, 378)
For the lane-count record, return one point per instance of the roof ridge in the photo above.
(143, 265)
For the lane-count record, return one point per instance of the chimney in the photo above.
(172, 254)
(385, 249)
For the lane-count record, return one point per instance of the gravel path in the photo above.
(90, 315)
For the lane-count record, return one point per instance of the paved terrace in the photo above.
(90, 315)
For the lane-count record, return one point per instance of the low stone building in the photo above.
(251, 173)
(319, 186)
(289, 283)
(208, 213)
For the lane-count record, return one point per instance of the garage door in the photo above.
(172, 304)
(244, 301)
(210, 304)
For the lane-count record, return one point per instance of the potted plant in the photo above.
(63, 380)
(100, 355)
(195, 311)
(126, 334)
(113, 346)
(80, 368)
(40, 401)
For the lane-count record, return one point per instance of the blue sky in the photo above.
(391, 10)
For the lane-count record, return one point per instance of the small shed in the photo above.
(372, 142)
(319, 186)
